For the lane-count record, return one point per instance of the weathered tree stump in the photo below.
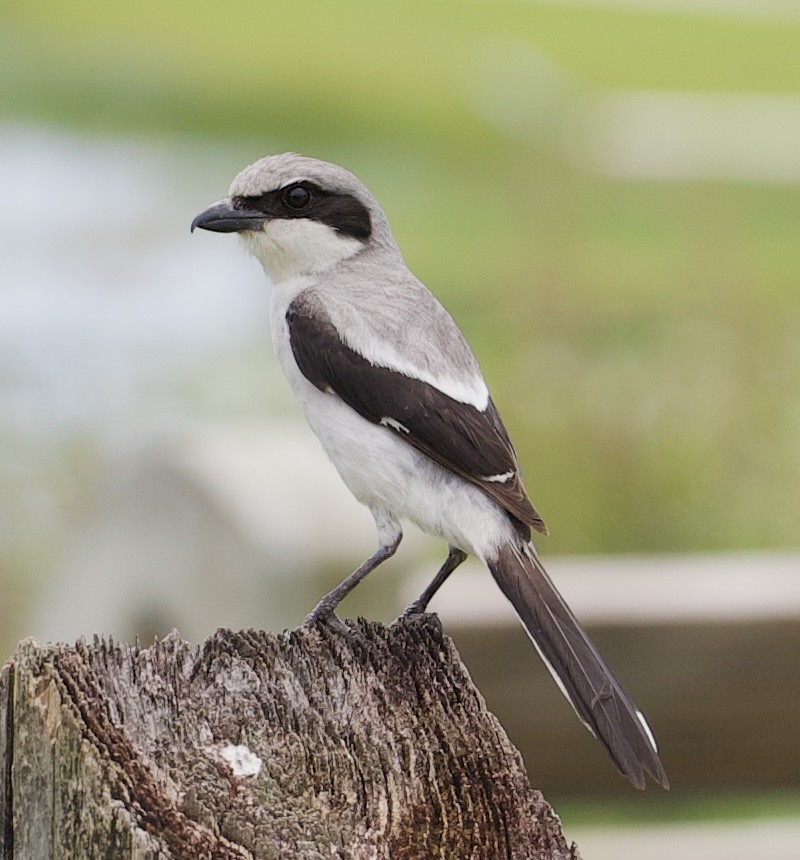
(299, 745)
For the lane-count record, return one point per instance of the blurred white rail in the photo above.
(753, 8)
(639, 588)
(637, 135)
(776, 839)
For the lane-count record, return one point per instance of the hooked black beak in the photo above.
(224, 217)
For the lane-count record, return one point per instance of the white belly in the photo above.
(381, 470)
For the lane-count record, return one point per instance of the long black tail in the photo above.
(590, 686)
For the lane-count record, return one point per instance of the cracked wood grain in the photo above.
(257, 746)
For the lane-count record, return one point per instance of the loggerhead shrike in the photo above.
(389, 385)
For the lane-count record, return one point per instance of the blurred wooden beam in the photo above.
(708, 645)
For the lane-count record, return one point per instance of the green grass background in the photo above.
(641, 339)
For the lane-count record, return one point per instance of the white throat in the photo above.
(289, 248)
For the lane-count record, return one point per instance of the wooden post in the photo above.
(300, 745)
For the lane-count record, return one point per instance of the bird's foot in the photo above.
(418, 607)
(324, 615)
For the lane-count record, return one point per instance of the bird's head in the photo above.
(298, 215)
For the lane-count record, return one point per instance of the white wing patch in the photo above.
(395, 425)
(499, 479)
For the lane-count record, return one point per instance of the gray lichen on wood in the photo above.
(254, 745)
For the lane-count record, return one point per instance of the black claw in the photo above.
(322, 616)
(415, 608)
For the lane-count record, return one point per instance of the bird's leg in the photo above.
(324, 611)
(454, 558)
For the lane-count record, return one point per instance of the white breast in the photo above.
(381, 470)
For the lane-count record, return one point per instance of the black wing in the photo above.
(472, 443)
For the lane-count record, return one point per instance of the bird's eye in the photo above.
(296, 197)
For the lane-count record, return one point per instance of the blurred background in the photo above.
(606, 195)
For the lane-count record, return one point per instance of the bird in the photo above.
(389, 385)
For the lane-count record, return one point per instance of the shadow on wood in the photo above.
(254, 745)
